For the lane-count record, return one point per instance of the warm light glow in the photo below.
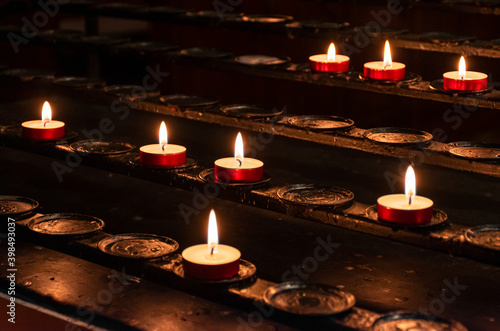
(330, 57)
(387, 55)
(46, 113)
(461, 68)
(410, 185)
(213, 235)
(238, 149)
(163, 136)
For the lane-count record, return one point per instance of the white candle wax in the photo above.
(199, 254)
(169, 149)
(324, 58)
(469, 75)
(38, 124)
(231, 163)
(399, 201)
(379, 65)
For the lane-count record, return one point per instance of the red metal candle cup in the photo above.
(197, 262)
(228, 170)
(172, 156)
(473, 81)
(36, 130)
(320, 62)
(376, 70)
(395, 208)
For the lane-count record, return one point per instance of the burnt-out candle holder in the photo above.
(166, 11)
(16, 207)
(437, 85)
(97, 147)
(136, 162)
(398, 136)
(266, 19)
(188, 101)
(205, 53)
(59, 35)
(131, 92)
(247, 274)
(138, 246)
(64, 225)
(438, 217)
(144, 48)
(208, 176)
(320, 122)
(439, 37)
(308, 299)
(28, 74)
(475, 150)
(316, 195)
(410, 77)
(258, 60)
(16, 131)
(486, 236)
(318, 25)
(407, 321)
(79, 83)
(215, 16)
(250, 111)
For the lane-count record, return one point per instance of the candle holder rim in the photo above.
(324, 25)
(347, 200)
(299, 122)
(79, 146)
(282, 60)
(371, 134)
(457, 149)
(79, 82)
(267, 19)
(249, 111)
(186, 101)
(106, 244)
(190, 163)
(97, 226)
(208, 176)
(31, 205)
(439, 217)
(471, 235)
(205, 52)
(410, 78)
(378, 324)
(274, 291)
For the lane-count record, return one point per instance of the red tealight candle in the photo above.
(463, 80)
(44, 129)
(211, 261)
(329, 62)
(405, 208)
(385, 70)
(238, 168)
(163, 154)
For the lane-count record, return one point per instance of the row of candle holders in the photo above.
(209, 264)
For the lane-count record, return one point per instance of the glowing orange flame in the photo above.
(46, 113)
(387, 55)
(410, 185)
(213, 235)
(461, 68)
(330, 57)
(163, 136)
(238, 149)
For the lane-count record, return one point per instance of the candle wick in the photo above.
(409, 199)
(212, 251)
(163, 147)
(239, 161)
(45, 123)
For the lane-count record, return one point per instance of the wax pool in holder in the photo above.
(238, 168)
(44, 129)
(211, 261)
(385, 70)
(405, 208)
(329, 62)
(463, 80)
(163, 154)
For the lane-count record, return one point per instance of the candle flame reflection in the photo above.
(46, 113)
(213, 235)
(330, 57)
(410, 185)
(238, 149)
(163, 136)
(387, 55)
(461, 68)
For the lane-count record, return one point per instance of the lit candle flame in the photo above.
(387, 55)
(461, 68)
(238, 149)
(213, 235)
(46, 113)
(410, 185)
(163, 136)
(330, 57)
